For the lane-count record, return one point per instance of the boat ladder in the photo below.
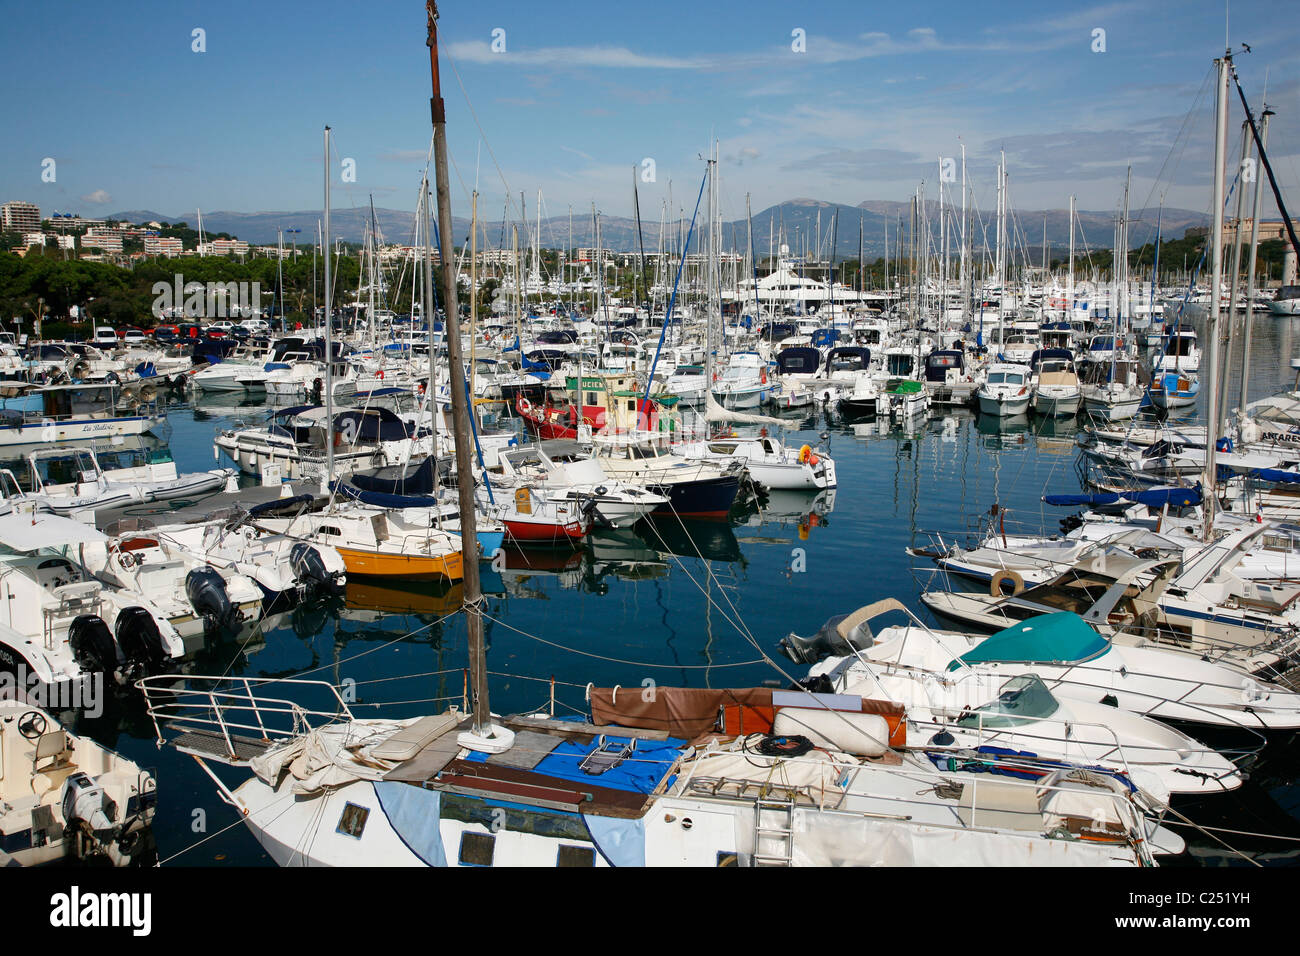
(773, 830)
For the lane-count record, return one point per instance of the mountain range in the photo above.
(796, 220)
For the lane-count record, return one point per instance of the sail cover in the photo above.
(1152, 497)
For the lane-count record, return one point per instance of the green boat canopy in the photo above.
(1047, 639)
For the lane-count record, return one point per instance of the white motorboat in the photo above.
(1005, 390)
(770, 463)
(65, 798)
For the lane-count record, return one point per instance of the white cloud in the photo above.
(99, 196)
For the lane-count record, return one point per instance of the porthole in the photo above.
(477, 849)
(353, 820)
(569, 855)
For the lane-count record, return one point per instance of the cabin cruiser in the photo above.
(1005, 390)
(1111, 391)
(694, 489)
(769, 462)
(1180, 353)
(563, 472)
(743, 383)
(1055, 383)
(58, 413)
(293, 445)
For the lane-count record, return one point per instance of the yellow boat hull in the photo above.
(393, 564)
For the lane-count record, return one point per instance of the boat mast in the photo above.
(1250, 277)
(1210, 477)
(965, 252)
(1069, 291)
(484, 732)
(431, 393)
(329, 355)
(1230, 332)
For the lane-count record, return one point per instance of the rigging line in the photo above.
(612, 660)
(510, 202)
(345, 660)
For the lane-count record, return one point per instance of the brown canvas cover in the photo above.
(686, 712)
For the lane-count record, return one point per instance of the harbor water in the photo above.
(693, 603)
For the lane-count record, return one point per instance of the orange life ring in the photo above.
(995, 583)
(805, 453)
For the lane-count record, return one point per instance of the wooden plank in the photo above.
(582, 729)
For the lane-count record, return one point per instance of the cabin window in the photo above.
(476, 849)
(591, 398)
(569, 855)
(353, 820)
(329, 530)
(631, 405)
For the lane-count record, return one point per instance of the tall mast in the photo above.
(430, 312)
(329, 325)
(1069, 293)
(965, 258)
(1250, 270)
(1216, 277)
(485, 734)
(1230, 332)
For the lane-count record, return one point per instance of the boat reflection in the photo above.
(688, 538)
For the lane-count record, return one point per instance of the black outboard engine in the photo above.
(92, 645)
(825, 643)
(141, 643)
(206, 589)
(310, 568)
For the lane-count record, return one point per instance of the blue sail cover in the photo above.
(381, 500)
(1152, 497)
(1048, 638)
(1275, 474)
(410, 481)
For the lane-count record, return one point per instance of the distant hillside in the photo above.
(795, 220)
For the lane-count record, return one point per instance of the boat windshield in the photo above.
(1020, 701)
(1006, 378)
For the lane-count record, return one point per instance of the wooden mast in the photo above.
(484, 733)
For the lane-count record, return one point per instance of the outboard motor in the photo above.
(309, 567)
(85, 803)
(92, 645)
(141, 642)
(206, 589)
(825, 643)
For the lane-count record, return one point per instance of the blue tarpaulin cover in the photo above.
(640, 773)
(1049, 638)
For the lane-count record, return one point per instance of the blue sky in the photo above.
(135, 119)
